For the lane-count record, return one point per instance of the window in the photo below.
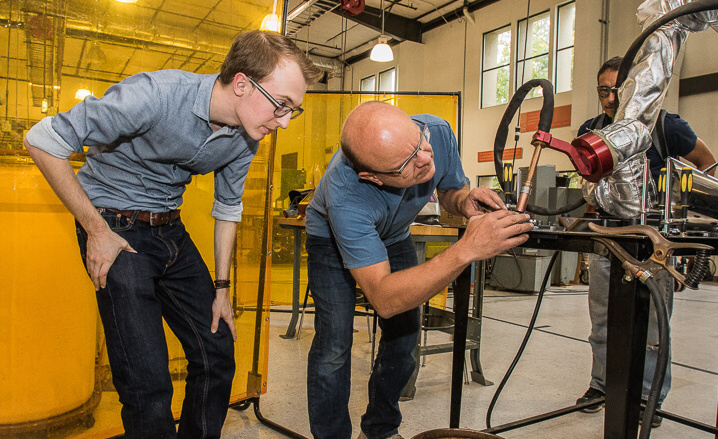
(532, 50)
(368, 83)
(565, 32)
(495, 71)
(387, 82)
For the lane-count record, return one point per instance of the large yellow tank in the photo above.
(47, 303)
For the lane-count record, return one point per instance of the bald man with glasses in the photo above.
(358, 234)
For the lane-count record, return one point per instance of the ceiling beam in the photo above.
(433, 24)
(396, 26)
(456, 14)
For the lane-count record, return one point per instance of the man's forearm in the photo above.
(453, 201)
(225, 235)
(63, 181)
(403, 290)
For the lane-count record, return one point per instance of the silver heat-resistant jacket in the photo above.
(640, 99)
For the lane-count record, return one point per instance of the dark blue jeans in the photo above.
(329, 366)
(165, 278)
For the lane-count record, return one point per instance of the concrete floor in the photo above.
(553, 371)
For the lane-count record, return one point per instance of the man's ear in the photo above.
(370, 176)
(239, 84)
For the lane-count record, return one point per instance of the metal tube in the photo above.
(644, 192)
(526, 187)
(667, 199)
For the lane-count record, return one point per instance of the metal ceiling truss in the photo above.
(398, 27)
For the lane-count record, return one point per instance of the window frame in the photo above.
(484, 70)
(558, 87)
(519, 64)
(376, 77)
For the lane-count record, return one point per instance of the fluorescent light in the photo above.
(82, 93)
(126, 1)
(381, 52)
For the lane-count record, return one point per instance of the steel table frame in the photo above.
(628, 322)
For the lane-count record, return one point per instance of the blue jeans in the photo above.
(329, 366)
(600, 270)
(165, 278)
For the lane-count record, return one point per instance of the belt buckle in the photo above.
(160, 218)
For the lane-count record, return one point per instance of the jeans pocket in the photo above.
(117, 222)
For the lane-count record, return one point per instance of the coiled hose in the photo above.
(701, 265)
(545, 118)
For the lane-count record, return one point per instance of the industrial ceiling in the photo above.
(108, 40)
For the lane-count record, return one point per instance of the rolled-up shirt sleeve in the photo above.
(127, 109)
(229, 184)
(224, 212)
(44, 137)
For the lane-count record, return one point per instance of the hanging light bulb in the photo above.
(270, 22)
(381, 52)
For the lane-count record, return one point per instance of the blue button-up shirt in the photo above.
(147, 136)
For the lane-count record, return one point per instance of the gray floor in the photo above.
(553, 372)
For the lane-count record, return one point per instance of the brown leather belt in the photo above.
(154, 218)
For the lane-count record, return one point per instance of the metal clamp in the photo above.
(662, 251)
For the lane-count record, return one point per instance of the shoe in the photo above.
(590, 394)
(655, 422)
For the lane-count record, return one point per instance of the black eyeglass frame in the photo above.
(424, 134)
(280, 110)
(605, 91)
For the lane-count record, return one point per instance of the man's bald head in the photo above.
(371, 133)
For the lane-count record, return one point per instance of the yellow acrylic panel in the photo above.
(303, 152)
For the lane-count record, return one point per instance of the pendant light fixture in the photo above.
(270, 22)
(381, 52)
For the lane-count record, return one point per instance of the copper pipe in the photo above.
(526, 187)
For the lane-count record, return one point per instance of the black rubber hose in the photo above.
(538, 210)
(690, 8)
(545, 119)
(664, 332)
(525, 341)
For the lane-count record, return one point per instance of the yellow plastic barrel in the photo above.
(48, 312)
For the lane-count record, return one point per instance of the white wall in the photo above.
(449, 60)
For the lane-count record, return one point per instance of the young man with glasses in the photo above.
(672, 137)
(358, 234)
(147, 136)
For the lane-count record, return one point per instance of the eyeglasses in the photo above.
(280, 110)
(605, 91)
(424, 134)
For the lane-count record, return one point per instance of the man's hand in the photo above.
(490, 234)
(222, 309)
(102, 250)
(481, 200)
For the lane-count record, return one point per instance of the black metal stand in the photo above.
(243, 405)
(628, 322)
(296, 265)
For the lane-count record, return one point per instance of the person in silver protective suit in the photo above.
(672, 137)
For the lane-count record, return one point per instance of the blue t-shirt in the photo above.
(365, 218)
(680, 140)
